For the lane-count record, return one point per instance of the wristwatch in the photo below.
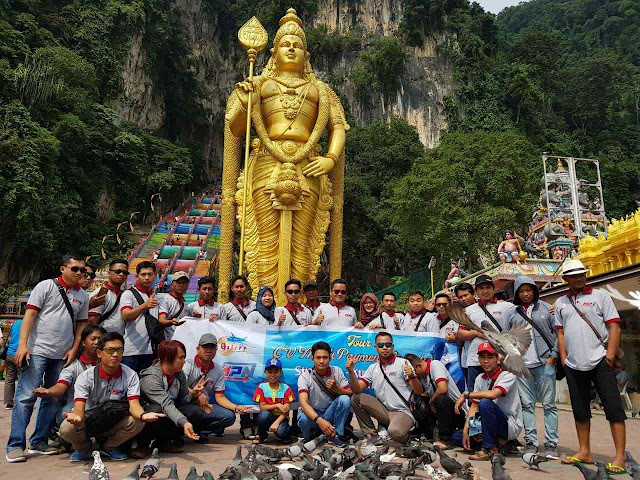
(315, 420)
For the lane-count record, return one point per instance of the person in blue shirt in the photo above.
(12, 372)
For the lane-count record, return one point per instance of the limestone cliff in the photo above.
(218, 63)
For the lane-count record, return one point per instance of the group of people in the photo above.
(100, 356)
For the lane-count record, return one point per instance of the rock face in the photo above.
(218, 63)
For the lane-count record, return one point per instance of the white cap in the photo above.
(573, 267)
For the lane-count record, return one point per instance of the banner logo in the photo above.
(232, 344)
(238, 372)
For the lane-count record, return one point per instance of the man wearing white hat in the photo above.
(588, 357)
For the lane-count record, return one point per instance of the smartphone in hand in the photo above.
(25, 364)
(103, 291)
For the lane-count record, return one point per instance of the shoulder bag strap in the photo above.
(295, 319)
(323, 386)
(433, 384)
(67, 303)
(111, 310)
(406, 402)
(240, 311)
(491, 317)
(148, 315)
(179, 311)
(530, 321)
(588, 322)
(419, 322)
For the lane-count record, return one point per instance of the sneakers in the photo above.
(114, 454)
(551, 452)
(338, 442)
(15, 456)
(530, 448)
(43, 449)
(78, 456)
(8, 407)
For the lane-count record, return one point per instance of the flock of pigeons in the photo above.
(368, 459)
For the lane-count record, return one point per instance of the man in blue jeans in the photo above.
(49, 341)
(323, 408)
(495, 397)
(541, 361)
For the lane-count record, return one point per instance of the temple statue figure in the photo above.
(509, 248)
(294, 190)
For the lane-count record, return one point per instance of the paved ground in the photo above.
(216, 456)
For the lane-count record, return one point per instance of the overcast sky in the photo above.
(494, 6)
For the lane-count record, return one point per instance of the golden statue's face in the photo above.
(290, 54)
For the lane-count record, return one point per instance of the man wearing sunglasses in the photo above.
(86, 282)
(49, 341)
(336, 313)
(106, 313)
(112, 381)
(392, 379)
(448, 327)
(293, 313)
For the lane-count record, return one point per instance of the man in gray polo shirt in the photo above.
(590, 360)
(392, 379)
(172, 307)
(49, 341)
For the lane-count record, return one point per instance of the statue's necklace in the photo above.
(290, 100)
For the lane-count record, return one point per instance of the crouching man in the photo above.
(325, 397)
(97, 390)
(495, 397)
(392, 379)
(442, 393)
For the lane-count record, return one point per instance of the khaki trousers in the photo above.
(398, 424)
(122, 431)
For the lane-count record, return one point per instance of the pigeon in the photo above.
(533, 460)
(173, 474)
(365, 447)
(207, 475)
(497, 469)
(134, 473)
(410, 451)
(311, 445)
(295, 450)
(451, 465)
(512, 345)
(633, 468)
(151, 466)
(436, 474)
(245, 474)
(193, 474)
(428, 456)
(586, 472)
(602, 472)
(98, 470)
(386, 469)
(467, 472)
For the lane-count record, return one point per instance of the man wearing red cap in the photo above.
(495, 398)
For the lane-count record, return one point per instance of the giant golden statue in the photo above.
(294, 192)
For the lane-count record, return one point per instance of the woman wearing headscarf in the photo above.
(265, 308)
(370, 314)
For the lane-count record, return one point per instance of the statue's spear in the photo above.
(253, 38)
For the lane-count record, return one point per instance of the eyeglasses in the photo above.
(119, 272)
(90, 275)
(292, 292)
(441, 304)
(111, 350)
(340, 292)
(385, 344)
(77, 269)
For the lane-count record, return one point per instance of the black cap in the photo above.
(310, 285)
(483, 279)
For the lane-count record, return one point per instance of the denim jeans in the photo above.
(265, 419)
(138, 362)
(42, 371)
(494, 426)
(336, 414)
(541, 387)
(472, 373)
(216, 421)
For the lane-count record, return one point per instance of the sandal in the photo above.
(615, 469)
(258, 439)
(443, 446)
(481, 456)
(570, 460)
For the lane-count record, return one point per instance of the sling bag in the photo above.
(619, 353)
(154, 329)
(240, 311)
(491, 317)
(67, 303)
(295, 318)
(111, 310)
(417, 325)
(559, 367)
(108, 413)
(416, 407)
(323, 386)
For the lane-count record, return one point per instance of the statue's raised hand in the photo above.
(318, 166)
(242, 90)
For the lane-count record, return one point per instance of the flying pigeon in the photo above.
(633, 468)
(451, 465)
(497, 469)
(98, 470)
(512, 345)
(173, 474)
(134, 474)
(151, 466)
(533, 460)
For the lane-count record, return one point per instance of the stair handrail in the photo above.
(192, 270)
